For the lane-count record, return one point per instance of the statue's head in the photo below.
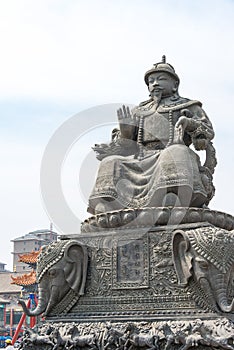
(162, 80)
(162, 67)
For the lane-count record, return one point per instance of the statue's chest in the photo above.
(157, 126)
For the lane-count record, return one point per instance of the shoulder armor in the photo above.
(143, 107)
(180, 104)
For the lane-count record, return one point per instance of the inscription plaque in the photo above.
(130, 258)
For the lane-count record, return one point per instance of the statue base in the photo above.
(143, 287)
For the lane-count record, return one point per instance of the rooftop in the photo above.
(43, 231)
(35, 235)
(29, 258)
(28, 237)
(25, 280)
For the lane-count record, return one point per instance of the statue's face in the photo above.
(161, 84)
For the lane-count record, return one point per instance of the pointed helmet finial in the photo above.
(164, 59)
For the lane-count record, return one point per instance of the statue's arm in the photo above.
(201, 123)
(201, 131)
(196, 123)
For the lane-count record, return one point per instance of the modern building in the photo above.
(2, 267)
(31, 242)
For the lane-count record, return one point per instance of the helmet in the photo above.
(162, 67)
(8, 341)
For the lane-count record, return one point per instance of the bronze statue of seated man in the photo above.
(149, 162)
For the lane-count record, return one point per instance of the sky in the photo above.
(66, 65)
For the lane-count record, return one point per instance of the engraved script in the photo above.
(130, 263)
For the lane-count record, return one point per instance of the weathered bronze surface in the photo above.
(153, 268)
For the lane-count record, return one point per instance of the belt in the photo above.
(154, 145)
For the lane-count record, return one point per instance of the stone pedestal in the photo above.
(150, 283)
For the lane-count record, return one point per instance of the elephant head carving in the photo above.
(61, 277)
(204, 263)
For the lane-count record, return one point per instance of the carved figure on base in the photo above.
(204, 263)
(61, 275)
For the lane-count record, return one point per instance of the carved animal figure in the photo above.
(149, 342)
(204, 263)
(65, 340)
(32, 338)
(180, 336)
(84, 341)
(58, 340)
(61, 274)
(209, 338)
(114, 338)
(217, 342)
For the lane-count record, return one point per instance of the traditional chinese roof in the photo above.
(29, 258)
(25, 280)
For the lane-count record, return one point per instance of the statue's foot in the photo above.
(107, 205)
(101, 208)
(171, 200)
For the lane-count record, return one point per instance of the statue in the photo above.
(153, 268)
(149, 162)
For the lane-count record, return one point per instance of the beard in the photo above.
(157, 96)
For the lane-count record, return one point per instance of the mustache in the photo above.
(158, 88)
(156, 93)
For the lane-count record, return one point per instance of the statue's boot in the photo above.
(171, 200)
(106, 205)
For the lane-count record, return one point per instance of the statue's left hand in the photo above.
(182, 123)
(180, 127)
(185, 120)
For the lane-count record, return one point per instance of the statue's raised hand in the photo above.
(127, 122)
